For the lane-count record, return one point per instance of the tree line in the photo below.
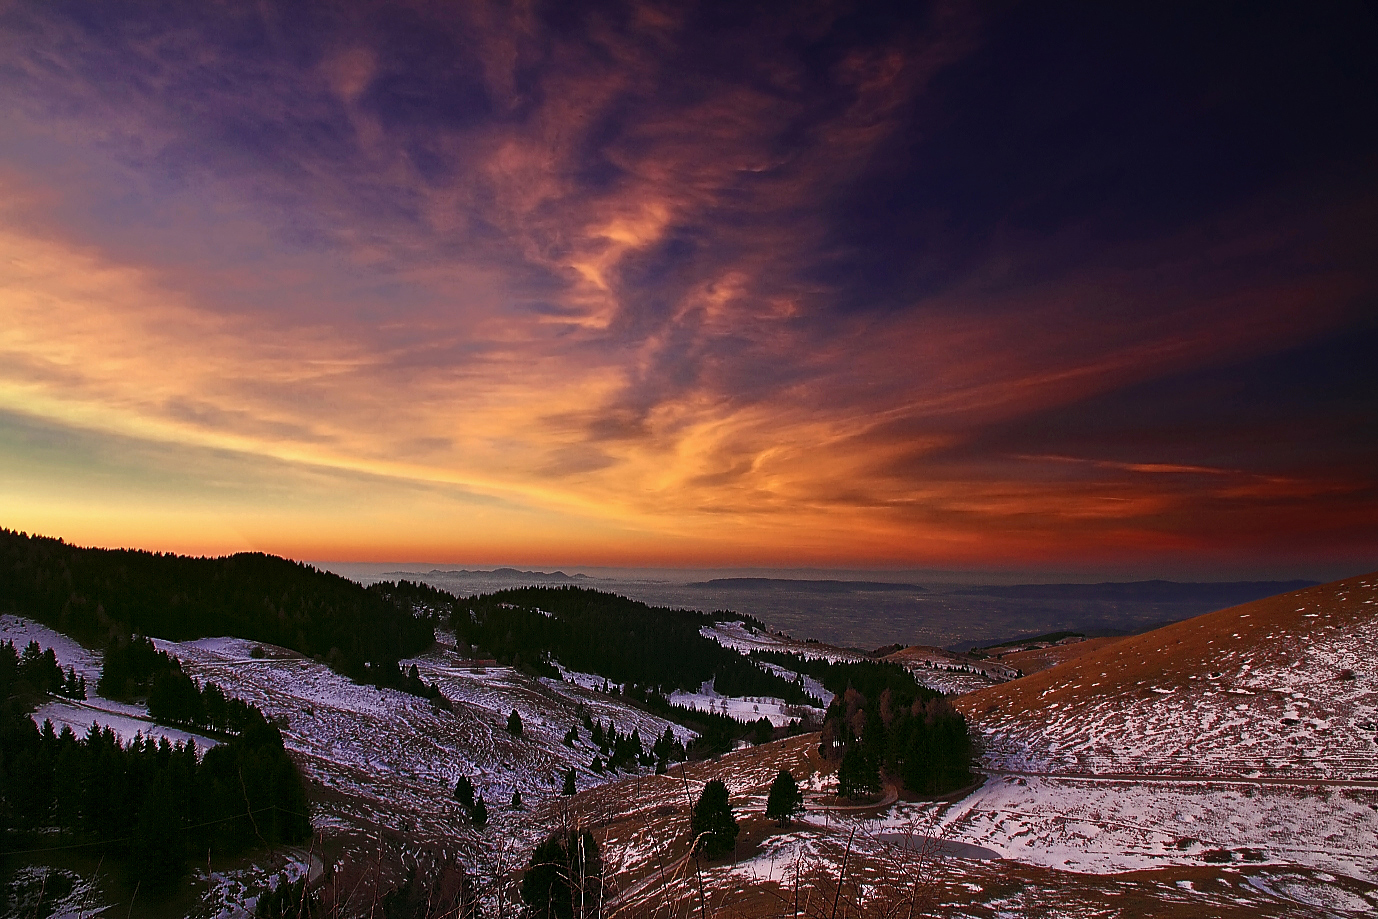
(36, 671)
(149, 804)
(102, 597)
(593, 631)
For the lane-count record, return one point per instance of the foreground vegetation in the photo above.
(150, 805)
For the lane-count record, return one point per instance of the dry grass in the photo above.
(1171, 656)
(1036, 660)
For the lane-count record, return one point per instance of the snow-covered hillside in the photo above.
(739, 636)
(381, 760)
(1242, 736)
(1285, 688)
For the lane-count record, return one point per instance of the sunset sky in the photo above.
(803, 284)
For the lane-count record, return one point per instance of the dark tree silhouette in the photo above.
(480, 813)
(858, 774)
(564, 877)
(713, 826)
(785, 799)
(464, 792)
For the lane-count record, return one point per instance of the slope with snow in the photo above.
(1244, 736)
(1281, 689)
(741, 637)
(387, 758)
(123, 718)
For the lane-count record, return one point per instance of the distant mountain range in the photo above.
(515, 574)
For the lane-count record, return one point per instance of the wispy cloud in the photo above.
(747, 286)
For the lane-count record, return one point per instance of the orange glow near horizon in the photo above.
(624, 319)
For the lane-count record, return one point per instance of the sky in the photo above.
(948, 286)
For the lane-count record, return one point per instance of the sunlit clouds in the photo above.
(661, 284)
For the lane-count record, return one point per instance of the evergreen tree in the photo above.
(516, 799)
(514, 724)
(464, 793)
(564, 878)
(480, 813)
(597, 765)
(785, 799)
(570, 788)
(762, 731)
(713, 826)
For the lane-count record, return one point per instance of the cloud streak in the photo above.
(719, 285)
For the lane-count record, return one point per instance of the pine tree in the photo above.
(762, 731)
(785, 799)
(570, 788)
(713, 826)
(480, 813)
(464, 793)
(514, 724)
(564, 878)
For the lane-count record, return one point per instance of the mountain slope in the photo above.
(96, 595)
(1283, 688)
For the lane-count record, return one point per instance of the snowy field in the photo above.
(21, 631)
(384, 761)
(738, 636)
(778, 711)
(392, 759)
(945, 681)
(1099, 826)
(1247, 738)
(124, 719)
(1015, 847)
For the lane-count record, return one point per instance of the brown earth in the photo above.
(642, 829)
(1038, 659)
(1176, 654)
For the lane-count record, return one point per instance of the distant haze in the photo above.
(867, 613)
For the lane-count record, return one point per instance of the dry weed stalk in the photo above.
(876, 873)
